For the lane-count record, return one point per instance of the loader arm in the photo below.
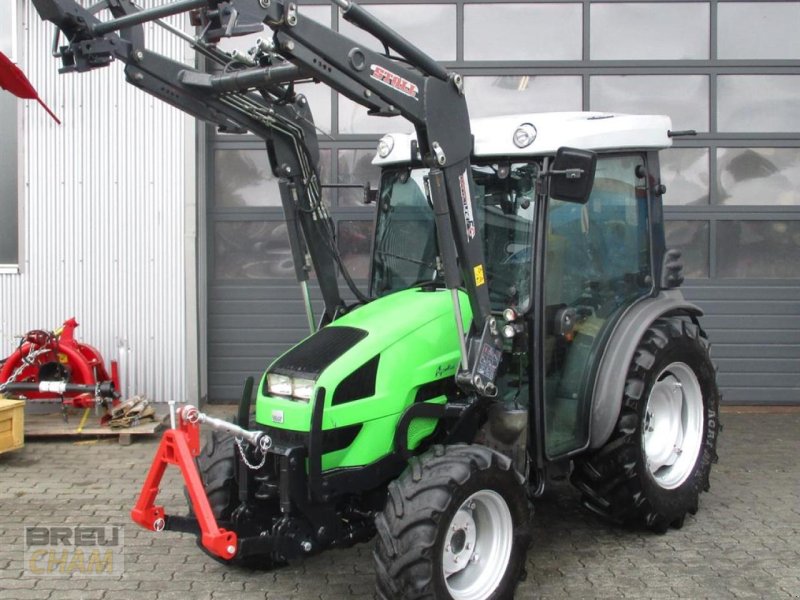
(259, 98)
(268, 109)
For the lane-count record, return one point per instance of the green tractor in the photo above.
(605, 377)
(523, 321)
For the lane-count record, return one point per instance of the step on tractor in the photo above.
(522, 321)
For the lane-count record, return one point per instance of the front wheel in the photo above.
(455, 525)
(659, 457)
(216, 465)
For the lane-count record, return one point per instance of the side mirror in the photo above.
(572, 175)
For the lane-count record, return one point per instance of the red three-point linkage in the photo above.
(179, 447)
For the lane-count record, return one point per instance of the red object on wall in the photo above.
(13, 80)
(57, 356)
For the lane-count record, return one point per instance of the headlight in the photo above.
(290, 387)
(280, 385)
(525, 135)
(385, 146)
(302, 388)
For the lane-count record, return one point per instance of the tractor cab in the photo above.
(560, 272)
(405, 251)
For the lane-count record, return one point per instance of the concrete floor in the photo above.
(743, 543)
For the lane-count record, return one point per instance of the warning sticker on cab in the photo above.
(479, 278)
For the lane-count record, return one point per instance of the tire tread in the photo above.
(407, 528)
(610, 478)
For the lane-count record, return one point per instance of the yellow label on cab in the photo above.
(479, 278)
(63, 358)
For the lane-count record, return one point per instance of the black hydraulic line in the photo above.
(359, 17)
(297, 244)
(149, 14)
(441, 211)
(210, 51)
(240, 81)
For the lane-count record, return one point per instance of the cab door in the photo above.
(597, 263)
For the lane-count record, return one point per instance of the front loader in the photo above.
(523, 320)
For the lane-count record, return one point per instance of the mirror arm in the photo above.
(569, 173)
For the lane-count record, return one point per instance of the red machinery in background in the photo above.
(14, 80)
(52, 365)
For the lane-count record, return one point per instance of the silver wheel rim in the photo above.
(672, 434)
(477, 546)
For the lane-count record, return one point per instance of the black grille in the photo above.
(435, 389)
(359, 384)
(310, 357)
(332, 439)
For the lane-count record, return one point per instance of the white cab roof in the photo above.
(586, 130)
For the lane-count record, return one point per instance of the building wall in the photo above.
(728, 69)
(102, 210)
(107, 199)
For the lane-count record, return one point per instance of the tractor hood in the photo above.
(389, 319)
(368, 365)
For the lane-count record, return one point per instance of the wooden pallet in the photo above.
(84, 423)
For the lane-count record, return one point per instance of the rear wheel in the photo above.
(659, 457)
(455, 525)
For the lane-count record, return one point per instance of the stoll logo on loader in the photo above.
(74, 551)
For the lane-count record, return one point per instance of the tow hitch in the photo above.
(179, 446)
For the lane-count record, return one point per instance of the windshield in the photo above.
(405, 239)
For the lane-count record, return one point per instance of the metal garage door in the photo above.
(755, 336)
(255, 308)
(733, 200)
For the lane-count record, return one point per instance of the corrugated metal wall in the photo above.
(103, 236)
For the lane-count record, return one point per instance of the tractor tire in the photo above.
(651, 471)
(216, 464)
(456, 525)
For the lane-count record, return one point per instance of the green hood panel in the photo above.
(389, 319)
(414, 334)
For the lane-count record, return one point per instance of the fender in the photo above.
(610, 382)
